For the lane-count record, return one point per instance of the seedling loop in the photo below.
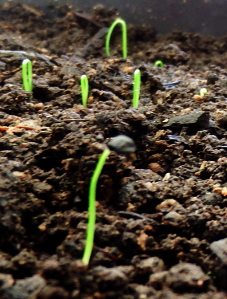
(159, 63)
(124, 37)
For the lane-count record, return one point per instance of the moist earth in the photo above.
(161, 227)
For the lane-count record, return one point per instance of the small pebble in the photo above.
(156, 167)
(122, 144)
(212, 78)
(39, 106)
(197, 97)
(219, 248)
(150, 265)
(185, 277)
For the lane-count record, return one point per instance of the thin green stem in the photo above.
(84, 89)
(136, 88)
(124, 37)
(91, 207)
(27, 74)
(159, 63)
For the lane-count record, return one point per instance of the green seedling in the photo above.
(202, 92)
(84, 89)
(159, 63)
(124, 37)
(136, 88)
(122, 145)
(210, 274)
(27, 74)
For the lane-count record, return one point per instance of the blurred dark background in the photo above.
(208, 17)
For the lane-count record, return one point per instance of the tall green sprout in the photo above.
(124, 37)
(27, 74)
(122, 145)
(136, 88)
(92, 208)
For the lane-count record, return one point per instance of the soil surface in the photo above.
(161, 227)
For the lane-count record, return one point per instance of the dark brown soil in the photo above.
(161, 212)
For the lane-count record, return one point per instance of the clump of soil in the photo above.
(161, 212)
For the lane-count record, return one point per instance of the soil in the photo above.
(161, 212)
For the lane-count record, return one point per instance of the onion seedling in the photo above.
(122, 145)
(136, 88)
(27, 74)
(84, 89)
(202, 92)
(124, 37)
(159, 63)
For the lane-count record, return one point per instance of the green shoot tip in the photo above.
(202, 92)
(84, 89)
(27, 74)
(159, 63)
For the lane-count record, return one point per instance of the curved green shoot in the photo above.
(136, 88)
(84, 89)
(27, 74)
(159, 63)
(92, 208)
(121, 144)
(202, 92)
(124, 37)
